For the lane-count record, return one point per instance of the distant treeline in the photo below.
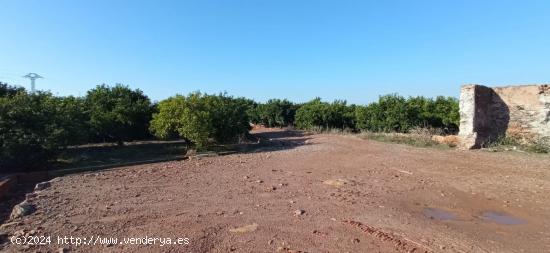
(35, 128)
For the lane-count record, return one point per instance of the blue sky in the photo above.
(353, 50)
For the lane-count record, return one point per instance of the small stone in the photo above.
(335, 182)
(259, 181)
(62, 250)
(42, 186)
(270, 242)
(244, 229)
(299, 212)
(356, 240)
(22, 209)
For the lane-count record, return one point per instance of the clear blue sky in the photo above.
(296, 49)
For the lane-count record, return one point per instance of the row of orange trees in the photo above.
(34, 128)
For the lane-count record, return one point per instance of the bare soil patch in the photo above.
(353, 195)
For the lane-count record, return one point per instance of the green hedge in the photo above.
(274, 113)
(199, 118)
(394, 113)
(319, 114)
(391, 113)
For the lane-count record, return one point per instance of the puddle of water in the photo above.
(501, 218)
(438, 214)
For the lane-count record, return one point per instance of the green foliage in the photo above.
(199, 117)
(34, 128)
(118, 113)
(73, 115)
(394, 113)
(390, 114)
(274, 113)
(319, 114)
(9, 91)
(447, 110)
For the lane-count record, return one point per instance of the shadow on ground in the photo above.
(96, 155)
(275, 141)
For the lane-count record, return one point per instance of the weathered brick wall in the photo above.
(487, 113)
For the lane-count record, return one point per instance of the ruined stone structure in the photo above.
(522, 112)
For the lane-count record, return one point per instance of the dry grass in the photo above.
(418, 137)
(506, 143)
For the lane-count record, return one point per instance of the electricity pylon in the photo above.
(32, 76)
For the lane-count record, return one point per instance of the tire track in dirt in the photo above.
(401, 244)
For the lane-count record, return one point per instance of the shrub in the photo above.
(394, 113)
(318, 114)
(229, 116)
(34, 128)
(9, 91)
(118, 113)
(446, 109)
(72, 114)
(389, 114)
(199, 117)
(274, 113)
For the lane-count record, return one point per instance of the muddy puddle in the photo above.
(501, 218)
(438, 214)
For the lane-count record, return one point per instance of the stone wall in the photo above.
(522, 112)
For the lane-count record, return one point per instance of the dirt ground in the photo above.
(305, 193)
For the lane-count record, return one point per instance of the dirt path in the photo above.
(354, 195)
